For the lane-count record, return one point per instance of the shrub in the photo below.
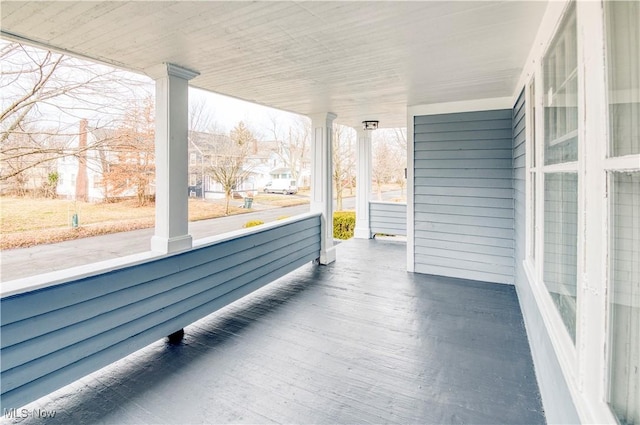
(343, 224)
(253, 223)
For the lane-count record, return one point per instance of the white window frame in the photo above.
(561, 339)
(585, 364)
(531, 172)
(610, 165)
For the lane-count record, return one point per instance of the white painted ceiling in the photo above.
(358, 59)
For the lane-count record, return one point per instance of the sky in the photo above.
(227, 111)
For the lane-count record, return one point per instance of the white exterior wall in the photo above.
(67, 168)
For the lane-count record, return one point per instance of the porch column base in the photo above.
(362, 232)
(171, 245)
(328, 256)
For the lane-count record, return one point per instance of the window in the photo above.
(560, 244)
(623, 166)
(193, 158)
(625, 297)
(583, 172)
(560, 123)
(560, 74)
(193, 179)
(623, 66)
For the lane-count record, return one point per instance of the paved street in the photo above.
(25, 262)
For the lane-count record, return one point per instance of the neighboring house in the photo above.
(281, 173)
(69, 168)
(96, 169)
(29, 167)
(33, 179)
(204, 151)
(201, 149)
(285, 173)
(264, 160)
(276, 160)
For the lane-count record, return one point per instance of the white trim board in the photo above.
(489, 104)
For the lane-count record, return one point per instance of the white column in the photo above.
(322, 181)
(363, 185)
(172, 106)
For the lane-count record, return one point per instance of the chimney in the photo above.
(82, 181)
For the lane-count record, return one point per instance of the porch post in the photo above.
(363, 185)
(322, 181)
(172, 105)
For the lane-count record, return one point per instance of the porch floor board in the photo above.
(358, 341)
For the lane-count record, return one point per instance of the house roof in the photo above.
(360, 60)
(207, 143)
(280, 171)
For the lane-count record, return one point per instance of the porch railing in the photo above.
(389, 218)
(55, 335)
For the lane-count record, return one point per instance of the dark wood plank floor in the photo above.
(359, 341)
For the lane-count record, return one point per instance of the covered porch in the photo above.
(522, 170)
(358, 341)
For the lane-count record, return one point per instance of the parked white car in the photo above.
(284, 186)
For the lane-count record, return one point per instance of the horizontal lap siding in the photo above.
(388, 218)
(519, 176)
(463, 195)
(56, 335)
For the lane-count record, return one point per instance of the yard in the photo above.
(28, 221)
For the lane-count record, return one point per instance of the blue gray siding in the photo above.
(463, 195)
(53, 336)
(389, 218)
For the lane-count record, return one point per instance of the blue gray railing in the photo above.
(389, 218)
(55, 335)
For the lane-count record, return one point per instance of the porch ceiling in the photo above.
(361, 60)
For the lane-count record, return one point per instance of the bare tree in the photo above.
(343, 161)
(133, 163)
(202, 116)
(202, 127)
(229, 164)
(383, 166)
(389, 158)
(44, 96)
(400, 138)
(293, 143)
(400, 141)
